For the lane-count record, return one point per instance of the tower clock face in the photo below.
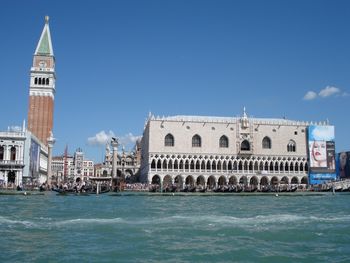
(42, 64)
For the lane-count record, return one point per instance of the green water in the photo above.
(180, 228)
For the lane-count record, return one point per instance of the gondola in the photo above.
(100, 192)
(64, 191)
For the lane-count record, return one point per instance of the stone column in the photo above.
(50, 142)
(114, 143)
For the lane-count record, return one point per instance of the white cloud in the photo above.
(325, 133)
(101, 138)
(128, 139)
(328, 91)
(310, 95)
(324, 93)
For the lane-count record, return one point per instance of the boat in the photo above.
(75, 191)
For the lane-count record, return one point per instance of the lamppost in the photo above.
(50, 142)
(114, 144)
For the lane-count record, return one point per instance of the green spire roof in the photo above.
(44, 46)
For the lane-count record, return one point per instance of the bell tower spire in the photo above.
(42, 87)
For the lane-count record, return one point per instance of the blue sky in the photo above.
(118, 60)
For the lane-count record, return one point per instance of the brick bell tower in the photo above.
(42, 87)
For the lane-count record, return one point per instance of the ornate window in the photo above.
(291, 147)
(1, 152)
(223, 142)
(245, 146)
(266, 143)
(169, 140)
(13, 153)
(196, 141)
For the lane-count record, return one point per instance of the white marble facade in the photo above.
(214, 151)
(16, 159)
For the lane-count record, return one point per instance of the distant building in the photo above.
(212, 151)
(70, 168)
(128, 164)
(23, 159)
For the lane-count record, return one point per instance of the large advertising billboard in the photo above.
(344, 165)
(321, 154)
(34, 161)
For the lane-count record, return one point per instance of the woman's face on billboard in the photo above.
(319, 151)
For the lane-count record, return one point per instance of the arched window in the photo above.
(169, 140)
(245, 146)
(47, 81)
(286, 167)
(39, 81)
(186, 165)
(176, 166)
(240, 166)
(224, 166)
(196, 141)
(208, 166)
(170, 165)
(256, 166)
(2, 152)
(218, 167)
(291, 147)
(223, 142)
(203, 166)
(153, 164)
(197, 165)
(213, 166)
(250, 167)
(13, 153)
(261, 166)
(192, 165)
(181, 165)
(229, 167)
(266, 143)
(36, 81)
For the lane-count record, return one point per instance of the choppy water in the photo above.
(192, 228)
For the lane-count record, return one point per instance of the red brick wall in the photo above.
(40, 116)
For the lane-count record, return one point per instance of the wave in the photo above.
(89, 221)
(8, 222)
(216, 220)
(49, 223)
(260, 219)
